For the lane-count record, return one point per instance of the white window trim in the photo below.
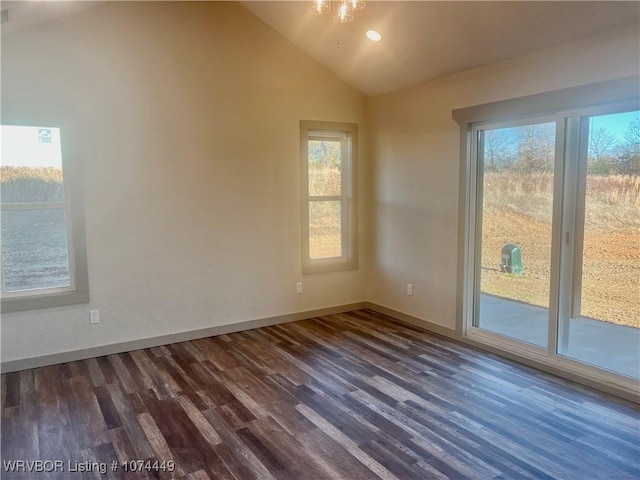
(348, 132)
(21, 114)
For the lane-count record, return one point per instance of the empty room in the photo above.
(320, 240)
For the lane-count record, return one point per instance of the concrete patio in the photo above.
(606, 345)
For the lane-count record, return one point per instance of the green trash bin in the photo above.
(511, 259)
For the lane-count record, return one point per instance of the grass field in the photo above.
(325, 240)
(34, 241)
(517, 209)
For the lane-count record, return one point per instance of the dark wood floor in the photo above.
(352, 396)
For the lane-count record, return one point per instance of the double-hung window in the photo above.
(328, 154)
(43, 262)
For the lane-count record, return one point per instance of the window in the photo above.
(43, 261)
(328, 153)
(547, 232)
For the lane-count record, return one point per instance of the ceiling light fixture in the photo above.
(373, 36)
(320, 7)
(342, 10)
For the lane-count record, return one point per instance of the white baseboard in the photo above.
(102, 350)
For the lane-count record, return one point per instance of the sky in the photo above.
(616, 123)
(30, 146)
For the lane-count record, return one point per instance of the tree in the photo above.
(632, 136)
(602, 145)
(535, 148)
(628, 155)
(324, 153)
(497, 149)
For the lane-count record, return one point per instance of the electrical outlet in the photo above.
(94, 316)
(409, 288)
(298, 287)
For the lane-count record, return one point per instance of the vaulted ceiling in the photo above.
(421, 40)
(424, 39)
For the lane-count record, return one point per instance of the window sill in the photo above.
(327, 266)
(35, 302)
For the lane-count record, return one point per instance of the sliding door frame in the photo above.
(474, 226)
(573, 224)
(566, 106)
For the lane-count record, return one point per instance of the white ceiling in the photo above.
(427, 39)
(420, 39)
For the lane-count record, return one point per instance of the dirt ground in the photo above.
(611, 269)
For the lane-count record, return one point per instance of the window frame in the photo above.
(53, 116)
(566, 104)
(348, 135)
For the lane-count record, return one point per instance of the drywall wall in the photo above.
(188, 117)
(414, 154)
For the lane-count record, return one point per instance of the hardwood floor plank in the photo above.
(157, 441)
(95, 371)
(296, 461)
(351, 446)
(106, 455)
(20, 439)
(393, 460)
(260, 450)
(121, 445)
(236, 414)
(3, 392)
(122, 372)
(161, 382)
(12, 386)
(489, 453)
(242, 452)
(57, 438)
(300, 356)
(353, 396)
(216, 353)
(128, 416)
(200, 422)
(140, 380)
(335, 459)
(507, 447)
(271, 357)
(324, 406)
(86, 416)
(49, 382)
(251, 385)
(199, 475)
(209, 380)
(107, 407)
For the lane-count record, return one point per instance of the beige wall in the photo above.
(189, 119)
(414, 155)
(189, 116)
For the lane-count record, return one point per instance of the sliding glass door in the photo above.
(514, 218)
(599, 322)
(555, 238)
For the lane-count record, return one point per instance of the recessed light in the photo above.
(373, 36)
